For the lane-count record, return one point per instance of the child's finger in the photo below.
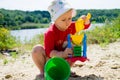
(83, 17)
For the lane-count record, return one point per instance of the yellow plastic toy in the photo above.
(79, 25)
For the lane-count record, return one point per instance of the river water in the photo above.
(27, 34)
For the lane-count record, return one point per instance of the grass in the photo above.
(34, 25)
(5, 61)
(106, 34)
(14, 55)
(29, 26)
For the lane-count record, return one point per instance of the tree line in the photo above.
(16, 18)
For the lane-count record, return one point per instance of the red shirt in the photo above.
(54, 38)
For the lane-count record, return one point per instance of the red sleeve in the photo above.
(49, 42)
(87, 26)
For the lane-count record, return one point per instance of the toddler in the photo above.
(55, 38)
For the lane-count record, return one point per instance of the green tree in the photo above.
(1, 19)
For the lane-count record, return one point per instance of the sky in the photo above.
(32, 5)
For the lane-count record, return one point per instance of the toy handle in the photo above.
(69, 41)
(85, 46)
(69, 44)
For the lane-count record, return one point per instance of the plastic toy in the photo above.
(79, 40)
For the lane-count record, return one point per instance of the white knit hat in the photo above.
(59, 7)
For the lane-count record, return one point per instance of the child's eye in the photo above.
(69, 18)
(66, 19)
(63, 20)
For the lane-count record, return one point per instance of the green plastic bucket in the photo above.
(57, 69)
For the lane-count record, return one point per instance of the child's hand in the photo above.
(68, 52)
(86, 21)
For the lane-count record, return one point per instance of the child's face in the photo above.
(64, 21)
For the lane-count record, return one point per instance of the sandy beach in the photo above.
(103, 64)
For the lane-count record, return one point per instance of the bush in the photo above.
(6, 40)
(105, 34)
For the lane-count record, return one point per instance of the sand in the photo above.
(103, 64)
